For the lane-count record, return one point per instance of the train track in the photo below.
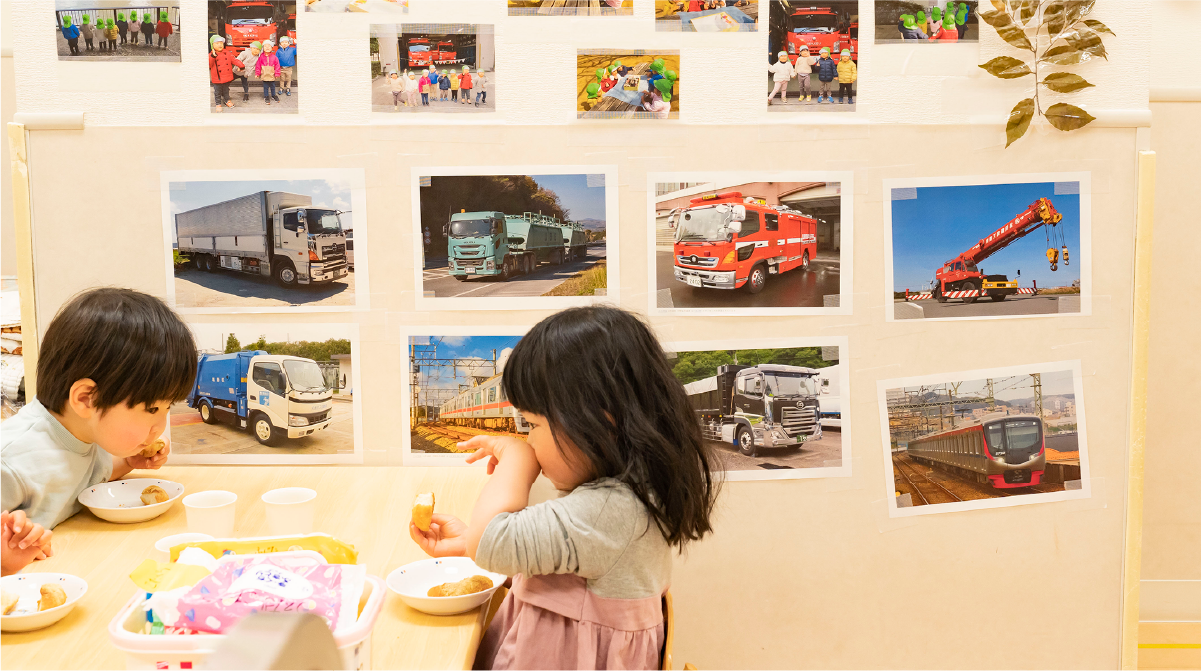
(910, 474)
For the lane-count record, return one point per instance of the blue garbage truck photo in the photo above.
(275, 396)
(495, 244)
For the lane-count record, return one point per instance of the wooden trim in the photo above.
(22, 223)
(1138, 408)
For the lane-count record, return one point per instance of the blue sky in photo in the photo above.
(942, 222)
(464, 347)
(1016, 387)
(332, 194)
(581, 201)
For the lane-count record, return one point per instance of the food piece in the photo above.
(423, 511)
(53, 596)
(9, 601)
(154, 494)
(154, 448)
(472, 585)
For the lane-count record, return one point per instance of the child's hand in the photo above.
(492, 447)
(21, 542)
(445, 537)
(150, 463)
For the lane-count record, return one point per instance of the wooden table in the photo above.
(368, 507)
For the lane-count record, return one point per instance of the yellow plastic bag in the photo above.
(151, 576)
(333, 550)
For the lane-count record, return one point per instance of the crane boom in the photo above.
(1040, 213)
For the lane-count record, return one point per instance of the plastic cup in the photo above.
(211, 512)
(290, 511)
(163, 545)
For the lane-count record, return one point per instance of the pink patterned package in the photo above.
(253, 583)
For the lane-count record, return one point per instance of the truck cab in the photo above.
(963, 275)
(726, 241)
(778, 403)
(813, 27)
(275, 396)
(446, 52)
(315, 233)
(249, 21)
(478, 245)
(420, 55)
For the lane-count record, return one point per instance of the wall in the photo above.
(8, 104)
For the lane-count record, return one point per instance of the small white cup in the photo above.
(164, 545)
(211, 512)
(290, 511)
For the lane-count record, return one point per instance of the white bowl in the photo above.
(27, 586)
(121, 501)
(412, 582)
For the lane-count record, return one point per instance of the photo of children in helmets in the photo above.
(117, 30)
(433, 68)
(616, 84)
(813, 56)
(252, 56)
(930, 21)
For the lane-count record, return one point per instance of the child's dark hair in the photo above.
(602, 381)
(134, 347)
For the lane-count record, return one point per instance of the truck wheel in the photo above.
(506, 269)
(528, 262)
(461, 278)
(198, 261)
(805, 261)
(757, 280)
(209, 264)
(285, 274)
(558, 260)
(746, 441)
(968, 285)
(206, 413)
(263, 431)
(938, 294)
(997, 298)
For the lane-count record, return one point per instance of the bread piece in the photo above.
(154, 448)
(53, 596)
(154, 494)
(9, 601)
(472, 585)
(423, 510)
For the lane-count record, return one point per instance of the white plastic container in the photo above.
(146, 651)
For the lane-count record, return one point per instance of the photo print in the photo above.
(627, 84)
(770, 409)
(707, 16)
(984, 439)
(252, 56)
(117, 30)
(926, 21)
(812, 56)
(455, 393)
(499, 239)
(264, 240)
(988, 247)
(440, 68)
(750, 243)
(271, 393)
(571, 7)
(357, 6)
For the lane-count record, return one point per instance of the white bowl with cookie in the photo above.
(132, 500)
(36, 600)
(468, 585)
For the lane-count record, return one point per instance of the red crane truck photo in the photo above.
(961, 275)
(726, 241)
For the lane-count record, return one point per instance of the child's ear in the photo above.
(82, 398)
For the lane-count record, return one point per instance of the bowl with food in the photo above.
(132, 500)
(35, 600)
(444, 586)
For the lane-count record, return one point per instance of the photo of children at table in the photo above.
(611, 428)
(629, 85)
(725, 16)
(926, 21)
(104, 31)
(111, 364)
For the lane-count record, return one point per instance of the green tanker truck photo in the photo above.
(495, 244)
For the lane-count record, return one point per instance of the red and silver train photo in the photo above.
(1006, 451)
(483, 406)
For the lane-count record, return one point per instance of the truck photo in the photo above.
(749, 407)
(831, 396)
(266, 233)
(495, 244)
(575, 239)
(249, 21)
(725, 241)
(276, 396)
(813, 27)
(962, 278)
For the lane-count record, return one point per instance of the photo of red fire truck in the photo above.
(728, 241)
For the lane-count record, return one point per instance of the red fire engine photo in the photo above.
(761, 244)
(1027, 234)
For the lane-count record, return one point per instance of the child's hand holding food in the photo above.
(444, 538)
(152, 457)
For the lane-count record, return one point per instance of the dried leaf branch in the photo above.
(1056, 33)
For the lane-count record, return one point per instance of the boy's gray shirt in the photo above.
(600, 531)
(43, 468)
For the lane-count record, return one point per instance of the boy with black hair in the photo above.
(111, 365)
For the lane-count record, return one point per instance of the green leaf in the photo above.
(1098, 26)
(1007, 67)
(1060, 15)
(1064, 82)
(1068, 117)
(1007, 29)
(1064, 54)
(1088, 41)
(1019, 121)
